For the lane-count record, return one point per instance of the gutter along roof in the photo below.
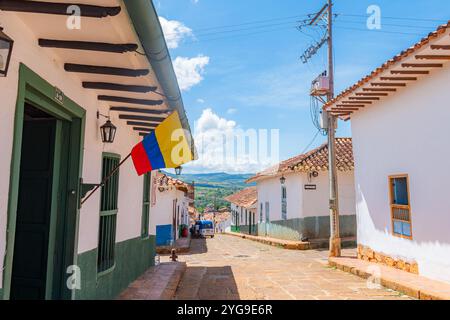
(430, 53)
(147, 26)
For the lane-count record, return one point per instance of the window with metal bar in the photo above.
(108, 214)
(400, 206)
(283, 203)
(146, 206)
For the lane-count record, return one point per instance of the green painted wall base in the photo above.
(309, 227)
(247, 230)
(1, 294)
(133, 258)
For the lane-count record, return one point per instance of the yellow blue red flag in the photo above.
(169, 146)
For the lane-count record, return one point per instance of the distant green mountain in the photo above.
(212, 188)
(216, 180)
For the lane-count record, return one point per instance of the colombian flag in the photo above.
(166, 147)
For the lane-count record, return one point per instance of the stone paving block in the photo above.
(267, 273)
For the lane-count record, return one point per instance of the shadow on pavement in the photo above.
(207, 283)
(198, 246)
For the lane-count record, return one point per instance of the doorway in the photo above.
(44, 191)
(37, 184)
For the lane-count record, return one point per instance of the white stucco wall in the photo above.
(162, 212)
(407, 133)
(269, 190)
(316, 202)
(49, 67)
(305, 203)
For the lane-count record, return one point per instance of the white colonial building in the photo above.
(66, 75)
(293, 195)
(243, 211)
(170, 208)
(400, 138)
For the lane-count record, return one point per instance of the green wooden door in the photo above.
(29, 274)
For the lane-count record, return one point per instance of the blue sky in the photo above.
(250, 73)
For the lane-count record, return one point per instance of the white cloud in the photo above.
(222, 146)
(232, 111)
(190, 71)
(202, 101)
(174, 32)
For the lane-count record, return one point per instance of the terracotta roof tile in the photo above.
(245, 198)
(314, 160)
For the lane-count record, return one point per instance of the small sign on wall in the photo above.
(59, 95)
(310, 187)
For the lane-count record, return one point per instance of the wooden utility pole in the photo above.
(335, 240)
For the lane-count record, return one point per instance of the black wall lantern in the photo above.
(283, 180)
(178, 170)
(108, 130)
(6, 46)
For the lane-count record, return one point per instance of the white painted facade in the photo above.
(406, 133)
(163, 205)
(303, 203)
(242, 213)
(49, 64)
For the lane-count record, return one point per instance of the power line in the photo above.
(387, 24)
(243, 24)
(264, 21)
(395, 18)
(311, 142)
(380, 31)
(245, 29)
(239, 35)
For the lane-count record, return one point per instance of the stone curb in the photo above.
(410, 284)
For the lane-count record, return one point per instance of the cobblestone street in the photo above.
(228, 267)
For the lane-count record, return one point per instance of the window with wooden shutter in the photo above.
(108, 214)
(400, 206)
(146, 205)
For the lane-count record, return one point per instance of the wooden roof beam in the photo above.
(113, 71)
(399, 78)
(385, 84)
(415, 72)
(432, 57)
(422, 65)
(89, 46)
(118, 87)
(58, 8)
(339, 114)
(364, 98)
(372, 94)
(140, 110)
(344, 109)
(140, 118)
(144, 102)
(440, 47)
(380, 89)
(350, 105)
(357, 102)
(142, 129)
(142, 124)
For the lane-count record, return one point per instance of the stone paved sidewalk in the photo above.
(157, 283)
(228, 267)
(412, 284)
